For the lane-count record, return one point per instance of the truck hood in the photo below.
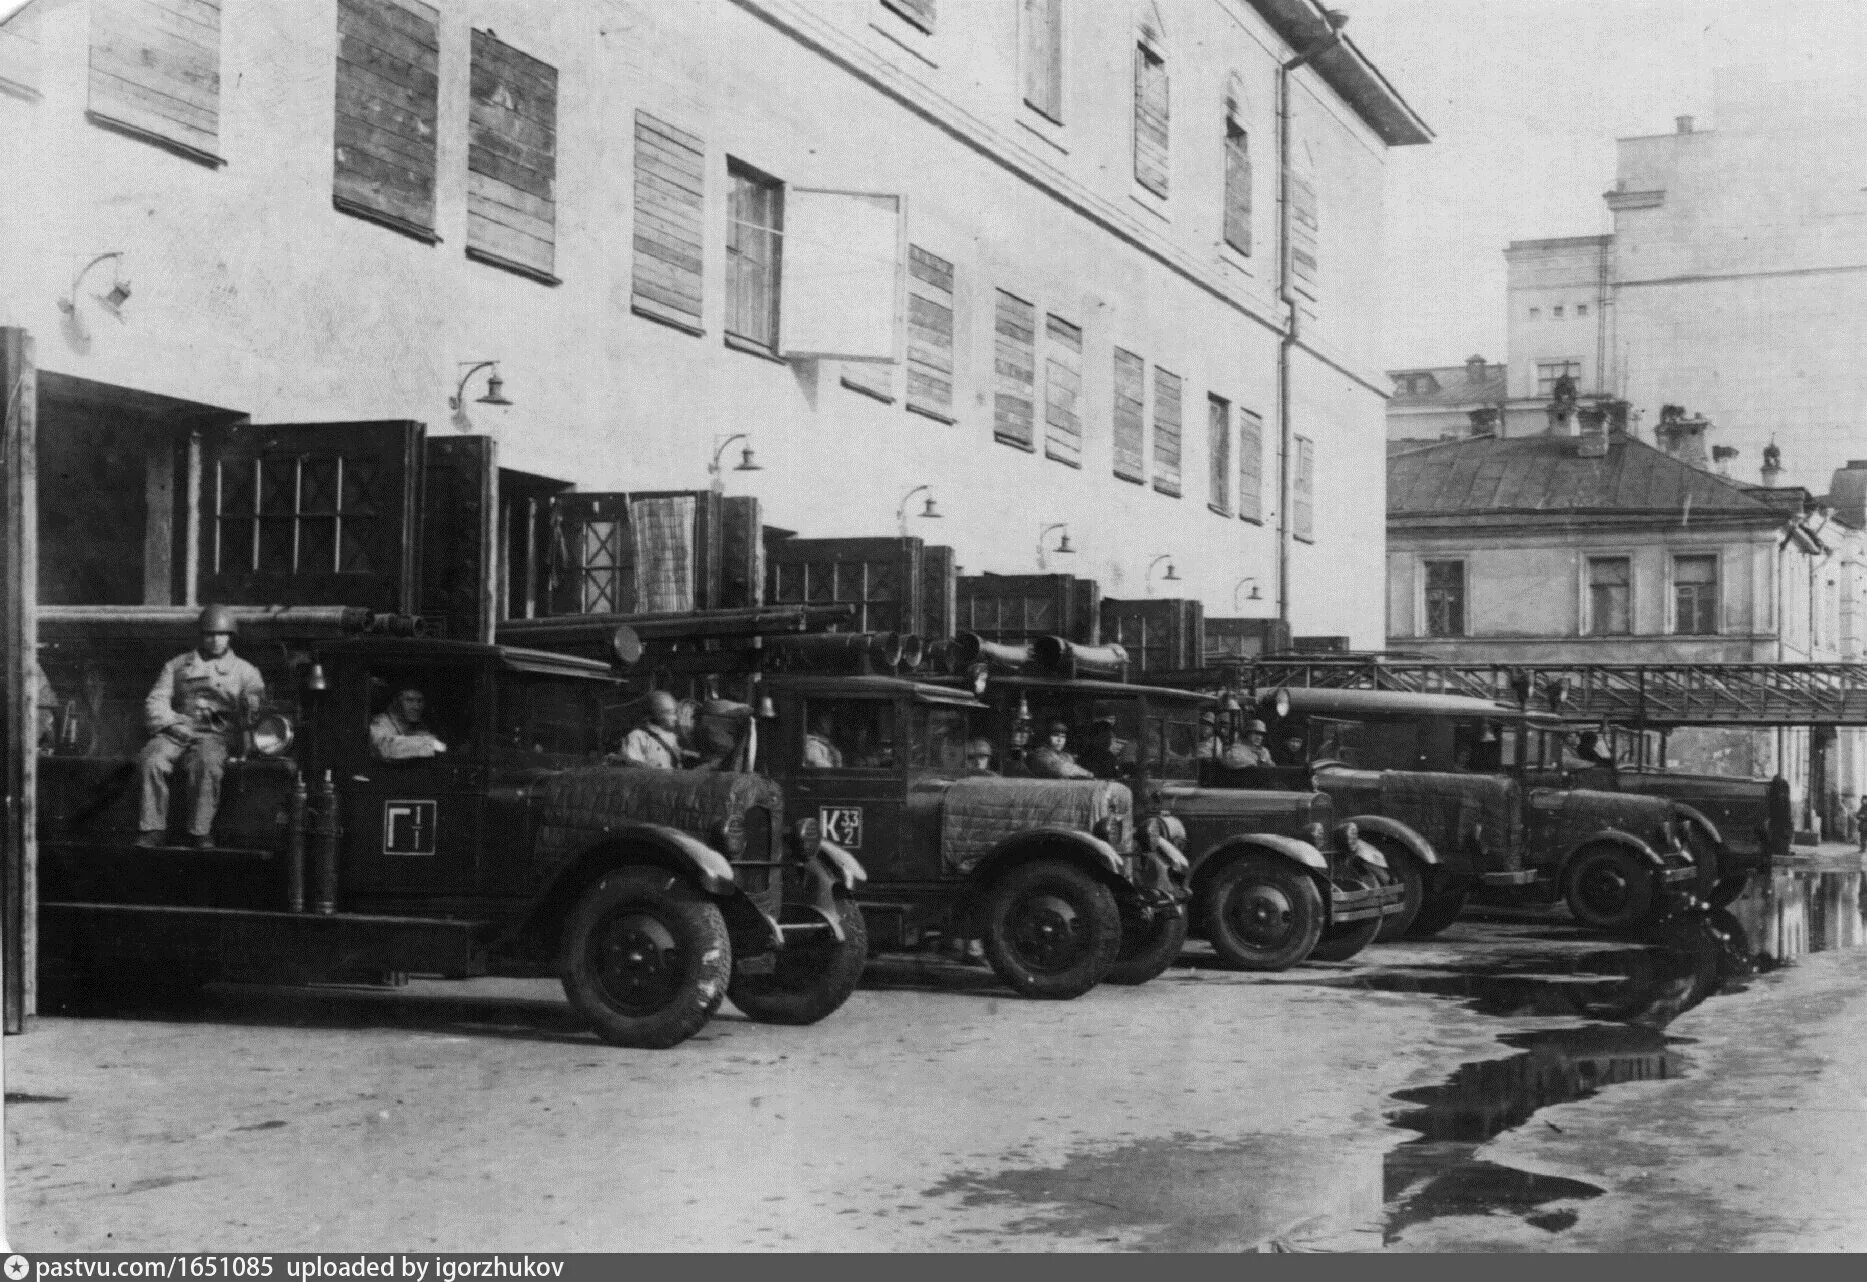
(596, 797)
(1634, 813)
(1440, 804)
(976, 814)
(1229, 803)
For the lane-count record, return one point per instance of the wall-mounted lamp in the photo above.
(494, 385)
(927, 513)
(1169, 577)
(745, 463)
(112, 299)
(1255, 595)
(1063, 547)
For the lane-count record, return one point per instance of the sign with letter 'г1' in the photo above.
(408, 827)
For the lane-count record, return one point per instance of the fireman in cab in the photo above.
(201, 697)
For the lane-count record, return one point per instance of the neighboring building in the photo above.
(1445, 402)
(1023, 252)
(1598, 548)
(1557, 294)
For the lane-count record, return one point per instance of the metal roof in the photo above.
(1348, 71)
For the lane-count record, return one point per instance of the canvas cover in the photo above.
(690, 800)
(1429, 802)
(979, 813)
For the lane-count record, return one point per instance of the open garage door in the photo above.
(19, 723)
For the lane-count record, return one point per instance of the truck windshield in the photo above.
(939, 742)
(1366, 744)
(555, 716)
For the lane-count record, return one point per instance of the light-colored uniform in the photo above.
(211, 696)
(1242, 755)
(393, 739)
(652, 746)
(821, 754)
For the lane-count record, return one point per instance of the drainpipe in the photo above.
(1287, 296)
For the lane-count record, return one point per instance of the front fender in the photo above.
(1087, 845)
(1615, 837)
(1292, 848)
(1409, 838)
(1176, 862)
(707, 866)
(844, 867)
(1366, 851)
(1698, 818)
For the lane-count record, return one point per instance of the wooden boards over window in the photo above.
(512, 160)
(1043, 57)
(155, 72)
(1130, 420)
(1237, 186)
(669, 191)
(1250, 467)
(1303, 491)
(930, 334)
(1166, 432)
(1014, 363)
(1303, 233)
(1150, 119)
(1063, 391)
(1219, 453)
(388, 60)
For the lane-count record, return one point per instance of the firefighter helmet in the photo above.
(218, 618)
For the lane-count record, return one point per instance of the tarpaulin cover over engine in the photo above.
(1430, 802)
(978, 814)
(578, 802)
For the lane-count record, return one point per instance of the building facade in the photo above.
(1440, 403)
(1026, 254)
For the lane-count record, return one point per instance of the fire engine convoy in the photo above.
(838, 810)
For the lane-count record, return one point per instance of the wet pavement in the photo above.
(1515, 1084)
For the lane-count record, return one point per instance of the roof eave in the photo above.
(1345, 69)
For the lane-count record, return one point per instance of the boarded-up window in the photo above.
(930, 334)
(1063, 391)
(1150, 119)
(19, 52)
(1014, 328)
(754, 255)
(1237, 186)
(669, 164)
(1130, 417)
(1219, 452)
(155, 72)
(1166, 432)
(1303, 230)
(918, 12)
(512, 159)
(1043, 57)
(1250, 467)
(1303, 491)
(388, 58)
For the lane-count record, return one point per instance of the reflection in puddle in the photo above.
(1795, 911)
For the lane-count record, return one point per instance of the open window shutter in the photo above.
(1250, 466)
(155, 71)
(937, 593)
(880, 577)
(388, 64)
(312, 514)
(840, 290)
(458, 533)
(742, 553)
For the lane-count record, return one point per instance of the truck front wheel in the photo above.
(1148, 948)
(811, 975)
(645, 958)
(1262, 912)
(1051, 930)
(1341, 942)
(1410, 873)
(1611, 888)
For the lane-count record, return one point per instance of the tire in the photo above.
(1262, 912)
(1147, 950)
(1339, 943)
(1411, 873)
(1610, 888)
(1438, 910)
(813, 976)
(1705, 859)
(1729, 887)
(1051, 930)
(645, 958)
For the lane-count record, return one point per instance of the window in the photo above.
(1695, 595)
(1555, 312)
(849, 734)
(1219, 453)
(669, 164)
(919, 13)
(1014, 360)
(1303, 491)
(447, 708)
(388, 63)
(1237, 186)
(1250, 467)
(930, 334)
(1610, 581)
(1150, 119)
(1305, 229)
(1445, 598)
(1581, 310)
(754, 255)
(546, 715)
(299, 514)
(1536, 313)
(1130, 417)
(512, 160)
(939, 742)
(1166, 432)
(1547, 372)
(155, 71)
(1043, 57)
(1063, 390)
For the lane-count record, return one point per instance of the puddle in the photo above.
(1797, 911)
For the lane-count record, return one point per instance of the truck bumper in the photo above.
(1510, 877)
(1360, 905)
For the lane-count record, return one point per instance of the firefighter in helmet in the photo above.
(202, 696)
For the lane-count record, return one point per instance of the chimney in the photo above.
(1682, 435)
(1683, 124)
(1772, 464)
(1722, 456)
(1474, 369)
(1593, 422)
(1847, 493)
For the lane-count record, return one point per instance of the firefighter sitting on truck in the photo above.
(201, 696)
(397, 734)
(656, 743)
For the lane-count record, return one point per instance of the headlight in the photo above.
(729, 836)
(272, 736)
(1111, 830)
(807, 835)
(1351, 835)
(1317, 836)
(979, 675)
(1164, 826)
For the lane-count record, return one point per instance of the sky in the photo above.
(1526, 98)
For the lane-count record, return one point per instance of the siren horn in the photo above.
(913, 651)
(1068, 659)
(833, 651)
(1000, 656)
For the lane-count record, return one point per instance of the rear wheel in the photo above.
(1341, 942)
(646, 958)
(1051, 930)
(1410, 873)
(813, 974)
(1729, 887)
(1263, 913)
(1438, 910)
(1148, 948)
(1611, 888)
